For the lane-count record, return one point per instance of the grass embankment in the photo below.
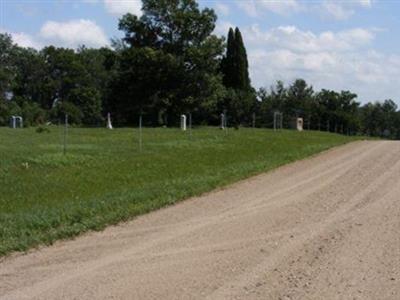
(104, 179)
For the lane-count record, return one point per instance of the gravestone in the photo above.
(222, 121)
(109, 125)
(299, 124)
(183, 122)
(16, 122)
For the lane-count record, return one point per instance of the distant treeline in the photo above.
(169, 63)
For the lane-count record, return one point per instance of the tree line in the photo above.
(329, 110)
(169, 62)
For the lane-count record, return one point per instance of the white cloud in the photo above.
(73, 33)
(222, 9)
(341, 60)
(69, 34)
(342, 10)
(329, 59)
(120, 7)
(365, 3)
(292, 38)
(372, 77)
(256, 7)
(282, 7)
(23, 39)
(249, 7)
(222, 28)
(357, 36)
(336, 11)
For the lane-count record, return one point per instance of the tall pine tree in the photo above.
(228, 62)
(235, 65)
(242, 65)
(240, 101)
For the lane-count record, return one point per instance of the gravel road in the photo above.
(323, 228)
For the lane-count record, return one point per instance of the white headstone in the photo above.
(222, 121)
(16, 121)
(183, 122)
(299, 124)
(109, 125)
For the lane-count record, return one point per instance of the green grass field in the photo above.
(104, 178)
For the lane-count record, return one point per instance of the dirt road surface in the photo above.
(323, 228)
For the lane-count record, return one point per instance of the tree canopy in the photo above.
(172, 50)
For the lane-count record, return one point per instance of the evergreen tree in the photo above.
(228, 62)
(241, 63)
(240, 101)
(235, 66)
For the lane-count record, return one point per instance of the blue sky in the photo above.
(349, 44)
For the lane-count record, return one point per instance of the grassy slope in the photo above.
(104, 179)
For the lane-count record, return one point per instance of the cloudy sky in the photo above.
(335, 44)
